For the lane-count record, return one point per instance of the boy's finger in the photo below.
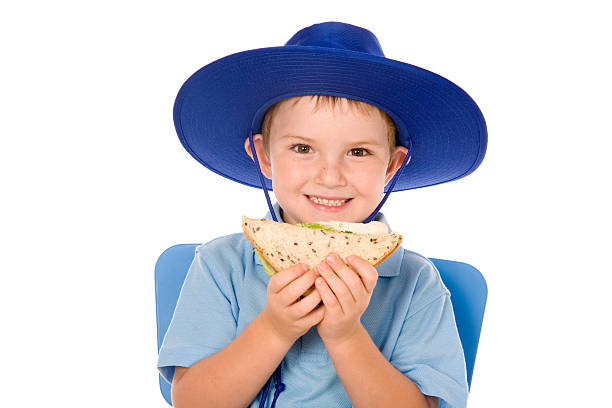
(328, 297)
(314, 317)
(286, 276)
(291, 293)
(350, 277)
(368, 274)
(306, 305)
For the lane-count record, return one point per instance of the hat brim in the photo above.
(219, 104)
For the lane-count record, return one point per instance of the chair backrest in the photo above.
(467, 286)
(469, 297)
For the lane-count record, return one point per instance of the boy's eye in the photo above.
(301, 148)
(359, 149)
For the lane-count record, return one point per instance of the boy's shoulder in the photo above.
(231, 243)
(423, 276)
(227, 253)
(228, 258)
(415, 261)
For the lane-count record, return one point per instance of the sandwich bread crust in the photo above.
(283, 245)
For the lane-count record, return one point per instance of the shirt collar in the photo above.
(389, 268)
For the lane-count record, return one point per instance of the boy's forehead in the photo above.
(303, 118)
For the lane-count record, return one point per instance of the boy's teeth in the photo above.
(328, 202)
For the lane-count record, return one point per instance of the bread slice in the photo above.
(283, 245)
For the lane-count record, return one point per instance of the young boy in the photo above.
(383, 337)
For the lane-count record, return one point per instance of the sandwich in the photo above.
(281, 245)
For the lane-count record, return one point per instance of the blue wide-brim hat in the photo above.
(222, 103)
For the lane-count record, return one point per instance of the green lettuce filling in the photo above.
(267, 268)
(320, 226)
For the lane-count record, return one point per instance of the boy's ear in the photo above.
(262, 158)
(395, 162)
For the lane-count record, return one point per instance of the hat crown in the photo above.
(337, 35)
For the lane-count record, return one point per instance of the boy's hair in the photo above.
(329, 100)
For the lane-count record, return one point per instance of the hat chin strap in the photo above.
(393, 181)
(261, 177)
(370, 218)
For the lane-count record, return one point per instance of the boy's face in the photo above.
(342, 154)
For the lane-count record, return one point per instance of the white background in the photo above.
(96, 184)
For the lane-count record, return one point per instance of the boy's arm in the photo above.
(235, 374)
(370, 380)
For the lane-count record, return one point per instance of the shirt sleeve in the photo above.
(203, 322)
(429, 352)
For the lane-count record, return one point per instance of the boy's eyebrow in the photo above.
(363, 142)
(290, 136)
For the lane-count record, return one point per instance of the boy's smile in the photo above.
(330, 205)
(329, 164)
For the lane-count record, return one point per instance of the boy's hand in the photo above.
(346, 294)
(284, 313)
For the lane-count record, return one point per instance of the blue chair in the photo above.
(467, 286)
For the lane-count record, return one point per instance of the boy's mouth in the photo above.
(329, 201)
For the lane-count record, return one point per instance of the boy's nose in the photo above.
(331, 175)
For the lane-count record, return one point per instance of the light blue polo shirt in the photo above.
(410, 318)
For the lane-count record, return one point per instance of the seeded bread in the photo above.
(283, 245)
